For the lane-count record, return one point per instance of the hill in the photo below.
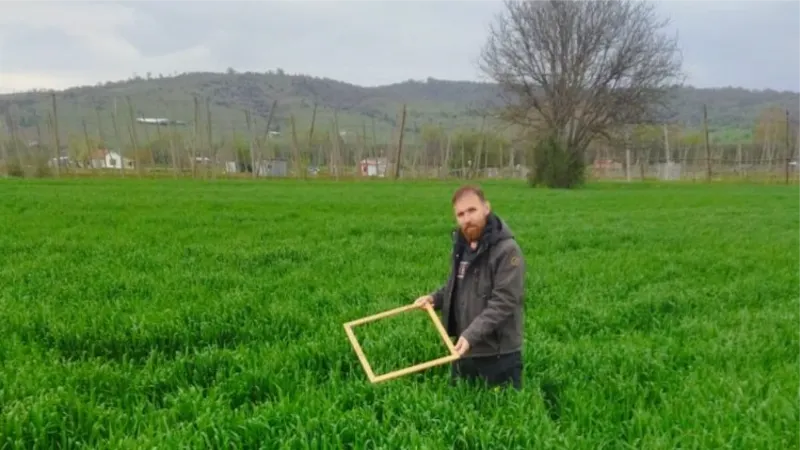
(733, 112)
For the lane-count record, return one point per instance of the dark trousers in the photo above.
(491, 371)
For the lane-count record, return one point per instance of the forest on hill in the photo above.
(733, 113)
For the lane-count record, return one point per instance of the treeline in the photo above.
(324, 149)
(449, 103)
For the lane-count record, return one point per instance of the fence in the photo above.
(138, 146)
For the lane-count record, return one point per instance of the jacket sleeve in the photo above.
(507, 295)
(438, 297)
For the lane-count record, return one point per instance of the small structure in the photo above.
(521, 171)
(231, 167)
(105, 159)
(265, 168)
(277, 167)
(604, 167)
(607, 164)
(669, 171)
(374, 167)
(160, 121)
(61, 161)
(97, 159)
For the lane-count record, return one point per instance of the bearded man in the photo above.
(482, 300)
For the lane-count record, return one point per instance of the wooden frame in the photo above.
(348, 328)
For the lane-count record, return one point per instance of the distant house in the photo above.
(105, 159)
(277, 167)
(116, 161)
(607, 164)
(231, 167)
(97, 160)
(160, 121)
(492, 172)
(669, 171)
(374, 167)
(61, 161)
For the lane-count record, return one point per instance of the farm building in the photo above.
(61, 161)
(372, 167)
(105, 159)
(278, 167)
(669, 171)
(232, 167)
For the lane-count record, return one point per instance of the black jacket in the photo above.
(492, 308)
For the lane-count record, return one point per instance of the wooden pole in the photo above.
(55, 134)
(627, 153)
(171, 130)
(88, 145)
(12, 125)
(211, 151)
(193, 158)
(788, 150)
(400, 144)
(40, 157)
(252, 147)
(134, 140)
(708, 148)
(296, 149)
(4, 152)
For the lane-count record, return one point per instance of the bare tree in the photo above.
(571, 71)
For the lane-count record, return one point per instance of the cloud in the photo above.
(755, 44)
(56, 45)
(61, 44)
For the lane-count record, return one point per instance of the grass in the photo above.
(166, 313)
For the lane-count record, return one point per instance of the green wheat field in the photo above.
(208, 314)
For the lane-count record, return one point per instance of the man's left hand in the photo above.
(462, 346)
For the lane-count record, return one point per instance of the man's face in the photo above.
(471, 215)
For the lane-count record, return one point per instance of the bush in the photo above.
(42, 170)
(555, 166)
(14, 169)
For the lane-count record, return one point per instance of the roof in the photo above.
(99, 154)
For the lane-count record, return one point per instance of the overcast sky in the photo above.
(754, 44)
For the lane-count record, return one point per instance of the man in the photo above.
(482, 300)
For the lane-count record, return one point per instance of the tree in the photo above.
(770, 130)
(576, 70)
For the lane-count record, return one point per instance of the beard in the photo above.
(472, 232)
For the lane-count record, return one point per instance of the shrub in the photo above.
(555, 165)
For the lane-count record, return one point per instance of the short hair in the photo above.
(468, 189)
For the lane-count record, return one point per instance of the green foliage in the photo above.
(555, 166)
(451, 104)
(471, 149)
(177, 313)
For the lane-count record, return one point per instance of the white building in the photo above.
(374, 167)
(105, 159)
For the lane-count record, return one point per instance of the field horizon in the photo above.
(169, 312)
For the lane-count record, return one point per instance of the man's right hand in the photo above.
(424, 302)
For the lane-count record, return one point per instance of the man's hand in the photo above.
(426, 301)
(462, 346)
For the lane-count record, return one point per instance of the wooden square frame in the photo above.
(348, 328)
